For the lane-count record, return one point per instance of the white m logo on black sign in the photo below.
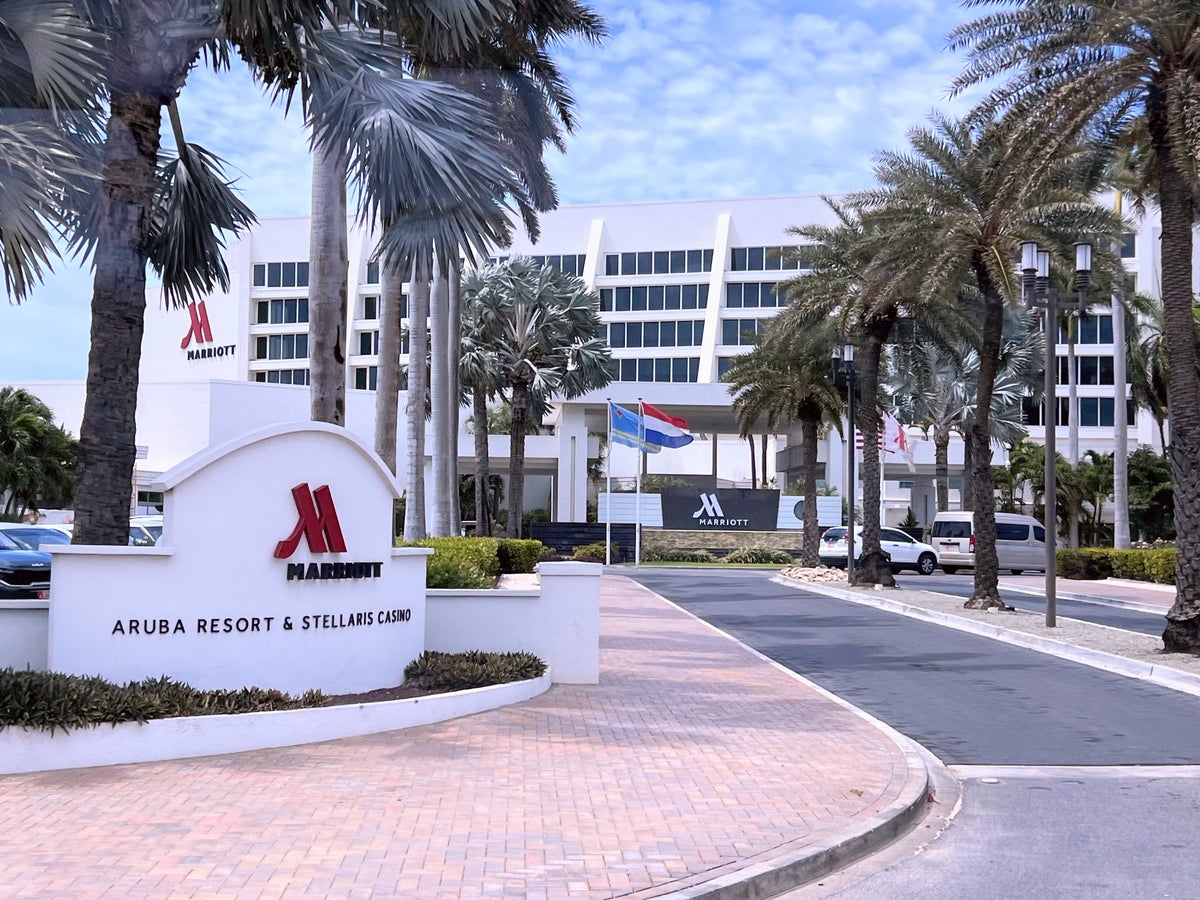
(710, 507)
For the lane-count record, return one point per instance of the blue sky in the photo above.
(686, 100)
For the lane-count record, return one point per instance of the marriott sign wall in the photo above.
(276, 568)
(730, 509)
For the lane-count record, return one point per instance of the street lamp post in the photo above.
(843, 373)
(1035, 269)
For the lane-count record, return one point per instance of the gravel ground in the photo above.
(1145, 648)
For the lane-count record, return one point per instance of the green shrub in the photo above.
(1134, 565)
(51, 701)
(475, 668)
(656, 553)
(759, 555)
(595, 552)
(444, 570)
(518, 556)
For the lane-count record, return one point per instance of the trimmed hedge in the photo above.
(53, 701)
(518, 556)
(595, 552)
(656, 553)
(475, 668)
(759, 555)
(1101, 562)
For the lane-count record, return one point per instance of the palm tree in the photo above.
(955, 207)
(1102, 66)
(846, 280)
(37, 457)
(137, 211)
(789, 382)
(1149, 367)
(543, 329)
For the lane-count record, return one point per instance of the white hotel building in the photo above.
(683, 287)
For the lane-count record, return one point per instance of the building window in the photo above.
(763, 259)
(368, 343)
(282, 312)
(753, 295)
(1092, 370)
(373, 272)
(741, 332)
(370, 308)
(281, 346)
(366, 378)
(280, 274)
(1090, 329)
(658, 262)
(664, 370)
(282, 376)
(1128, 245)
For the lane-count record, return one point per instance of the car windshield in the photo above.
(834, 534)
(7, 543)
(36, 538)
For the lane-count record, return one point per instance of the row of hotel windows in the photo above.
(658, 262)
(654, 297)
(281, 274)
(763, 259)
(282, 376)
(671, 369)
(368, 343)
(689, 333)
(281, 346)
(1092, 370)
(282, 312)
(567, 263)
(753, 294)
(1094, 412)
(1089, 330)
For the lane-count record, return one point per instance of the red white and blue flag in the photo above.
(664, 430)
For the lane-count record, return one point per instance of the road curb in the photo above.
(1148, 608)
(1163, 676)
(790, 870)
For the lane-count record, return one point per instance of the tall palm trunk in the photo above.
(444, 494)
(452, 409)
(809, 436)
(327, 292)
(753, 457)
(967, 500)
(516, 457)
(483, 474)
(387, 393)
(1182, 633)
(941, 466)
(764, 460)
(418, 353)
(873, 568)
(987, 565)
(104, 468)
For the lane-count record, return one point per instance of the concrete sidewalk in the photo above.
(696, 768)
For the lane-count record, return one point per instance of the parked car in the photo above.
(34, 537)
(904, 551)
(1020, 541)
(24, 574)
(140, 535)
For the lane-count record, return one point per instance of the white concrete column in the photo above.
(571, 482)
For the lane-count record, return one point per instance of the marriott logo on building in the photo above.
(201, 332)
(317, 523)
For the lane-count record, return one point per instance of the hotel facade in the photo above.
(684, 287)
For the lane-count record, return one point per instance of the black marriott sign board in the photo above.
(729, 509)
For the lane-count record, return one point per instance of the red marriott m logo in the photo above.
(318, 523)
(200, 329)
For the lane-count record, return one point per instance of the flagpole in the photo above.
(608, 487)
(637, 526)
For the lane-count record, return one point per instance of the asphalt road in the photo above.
(1113, 616)
(1086, 834)
(969, 699)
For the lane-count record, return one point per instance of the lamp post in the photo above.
(843, 376)
(1035, 285)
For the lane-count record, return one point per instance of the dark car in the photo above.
(34, 537)
(24, 574)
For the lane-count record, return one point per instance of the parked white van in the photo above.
(1020, 541)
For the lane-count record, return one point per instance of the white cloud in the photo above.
(693, 99)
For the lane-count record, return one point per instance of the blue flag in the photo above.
(628, 428)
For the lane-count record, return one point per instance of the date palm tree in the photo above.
(1077, 67)
(955, 206)
(542, 329)
(37, 456)
(848, 280)
(788, 382)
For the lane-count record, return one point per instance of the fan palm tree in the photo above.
(955, 206)
(1079, 66)
(847, 281)
(787, 383)
(143, 208)
(542, 329)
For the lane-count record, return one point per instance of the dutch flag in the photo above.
(663, 430)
